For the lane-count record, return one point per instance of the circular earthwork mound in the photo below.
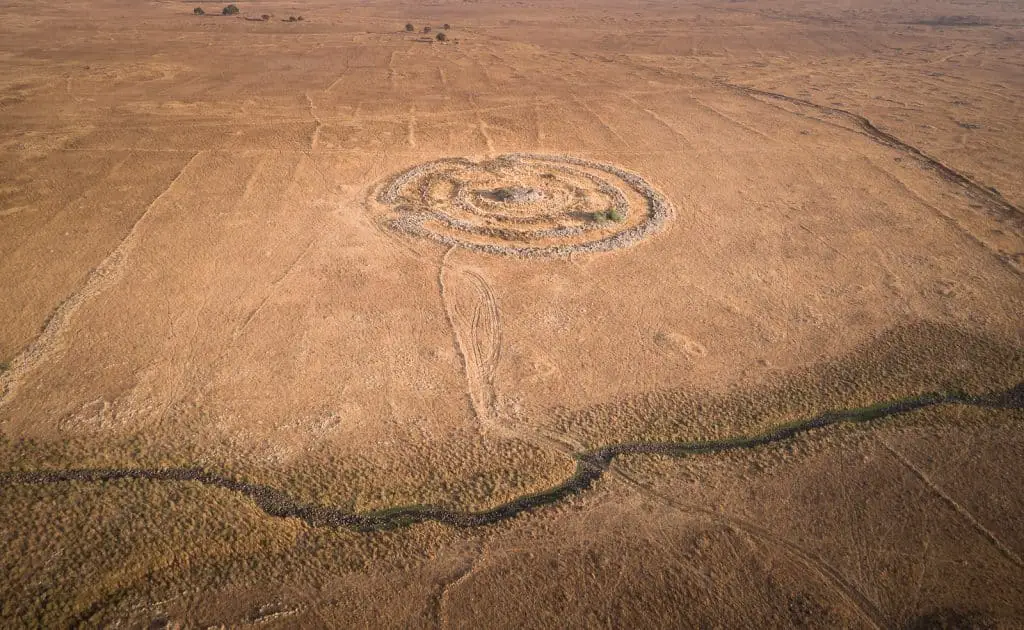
(523, 205)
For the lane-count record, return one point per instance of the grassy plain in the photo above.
(196, 273)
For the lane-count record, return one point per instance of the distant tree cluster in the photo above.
(228, 10)
(410, 28)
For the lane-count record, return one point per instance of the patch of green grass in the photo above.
(611, 214)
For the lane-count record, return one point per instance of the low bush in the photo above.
(441, 37)
(611, 214)
(410, 28)
(198, 11)
(229, 10)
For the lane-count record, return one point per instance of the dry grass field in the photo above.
(656, 314)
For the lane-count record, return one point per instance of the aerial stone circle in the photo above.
(523, 204)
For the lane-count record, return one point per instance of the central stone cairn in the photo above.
(522, 205)
(517, 194)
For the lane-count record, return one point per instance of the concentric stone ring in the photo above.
(522, 205)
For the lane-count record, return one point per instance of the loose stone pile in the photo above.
(523, 204)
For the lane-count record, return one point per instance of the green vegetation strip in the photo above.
(590, 466)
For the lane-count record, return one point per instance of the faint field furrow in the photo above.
(998, 207)
(104, 275)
